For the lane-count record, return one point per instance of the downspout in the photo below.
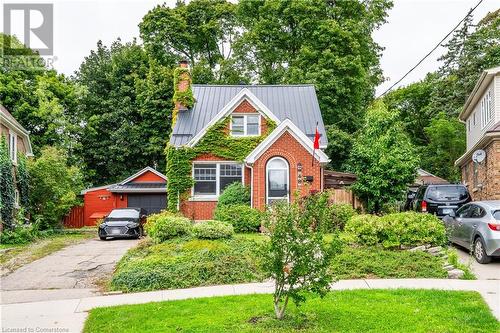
(251, 185)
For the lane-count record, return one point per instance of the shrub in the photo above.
(213, 230)
(19, 235)
(242, 217)
(234, 194)
(182, 264)
(339, 215)
(163, 226)
(395, 230)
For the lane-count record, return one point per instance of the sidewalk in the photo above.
(69, 315)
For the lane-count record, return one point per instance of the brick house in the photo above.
(481, 115)
(279, 166)
(17, 138)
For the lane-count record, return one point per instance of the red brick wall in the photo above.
(487, 186)
(291, 150)
(198, 210)
(246, 107)
(148, 177)
(101, 201)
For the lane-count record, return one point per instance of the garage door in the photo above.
(152, 203)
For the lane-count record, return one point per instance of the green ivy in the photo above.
(186, 98)
(7, 193)
(216, 142)
(23, 181)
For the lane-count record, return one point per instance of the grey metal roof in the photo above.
(150, 187)
(295, 102)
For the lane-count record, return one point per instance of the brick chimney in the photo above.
(183, 84)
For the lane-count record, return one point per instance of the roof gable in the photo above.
(14, 125)
(144, 176)
(295, 102)
(242, 95)
(286, 126)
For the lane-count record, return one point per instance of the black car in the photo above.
(123, 223)
(440, 200)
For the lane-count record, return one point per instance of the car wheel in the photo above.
(139, 233)
(479, 252)
(103, 238)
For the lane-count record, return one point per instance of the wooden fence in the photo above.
(343, 195)
(74, 219)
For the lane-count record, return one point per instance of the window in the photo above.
(447, 193)
(476, 212)
(16, 195)
(245, 125)
(277, 175)
(486, 109)
(463, 211)
(210, 179)
(13, 146)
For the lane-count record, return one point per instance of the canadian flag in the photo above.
(316, 143)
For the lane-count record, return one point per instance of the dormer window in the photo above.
(245, 125)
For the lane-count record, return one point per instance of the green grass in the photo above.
(22, 254)
(378, 311)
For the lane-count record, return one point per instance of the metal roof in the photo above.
(149, 187)
(295, 102)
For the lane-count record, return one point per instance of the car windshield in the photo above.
(124, 213)
(446, 193)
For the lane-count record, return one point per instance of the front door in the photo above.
(277, 180)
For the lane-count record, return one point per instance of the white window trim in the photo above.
(13, 134)
(211, 197)
(17, 198)
(287, 177)
(245, 123)
(486, 109)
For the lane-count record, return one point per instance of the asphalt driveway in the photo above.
(74, 271)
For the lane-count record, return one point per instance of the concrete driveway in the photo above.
(489, 271)
(74, 271)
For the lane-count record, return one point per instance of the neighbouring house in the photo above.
(17, 138)
(259, 135)
(145, 189)
(426, 178)
(481, 115)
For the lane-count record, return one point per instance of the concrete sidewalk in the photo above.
(69, 315)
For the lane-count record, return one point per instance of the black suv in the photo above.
(440, 200)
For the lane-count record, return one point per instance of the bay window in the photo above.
(210, 179)
(245, 125)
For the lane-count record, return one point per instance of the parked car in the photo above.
(440, 200)
(476, 226)
(123, 223)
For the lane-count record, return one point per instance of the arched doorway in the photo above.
(277, 180)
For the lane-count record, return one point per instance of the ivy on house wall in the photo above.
(7, 193)
(186, 97)
(23, 181)
(218, 142)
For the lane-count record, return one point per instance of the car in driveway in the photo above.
(440, 200)
(123, 223)
(476, 227)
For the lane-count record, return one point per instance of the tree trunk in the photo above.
(280, 311)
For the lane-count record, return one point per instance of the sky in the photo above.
(413, 28)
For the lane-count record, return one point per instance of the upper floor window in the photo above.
(210, 179)
(245, 125)
(13, 146)
(486, 109)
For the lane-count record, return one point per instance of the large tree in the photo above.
(126, 110)
(327, 43)
(43, 101)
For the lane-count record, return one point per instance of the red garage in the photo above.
(145, 189)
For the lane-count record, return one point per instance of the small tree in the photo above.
(7, 190)
(53, 187)
(383, 158)
(297, 258)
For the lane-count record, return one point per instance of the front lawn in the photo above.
(15, 256)
(342, 311)
(187, 262)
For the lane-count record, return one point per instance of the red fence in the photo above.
(74, 219)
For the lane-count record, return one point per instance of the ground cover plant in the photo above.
(212, 230)
(381, 311)
(187, 262)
